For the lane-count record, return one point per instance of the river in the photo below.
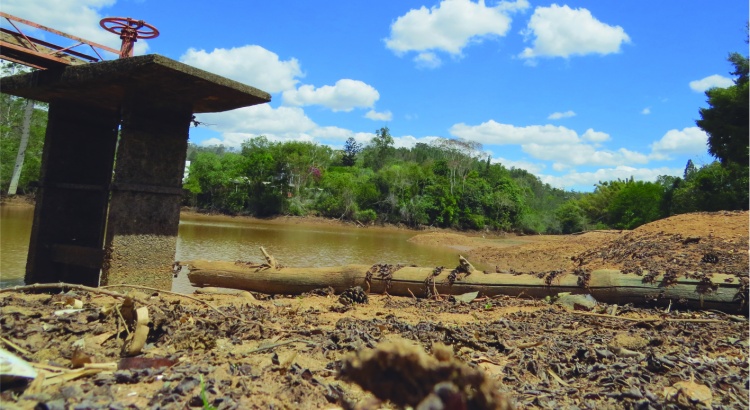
(221, 238)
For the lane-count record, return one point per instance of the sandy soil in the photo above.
(309, 352)
(709, 242)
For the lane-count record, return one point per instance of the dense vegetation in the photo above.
(12, 112)
(448, 183)
(445, 184)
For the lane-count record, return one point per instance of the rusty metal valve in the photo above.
(129, 30)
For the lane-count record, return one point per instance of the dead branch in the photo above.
(270, 260)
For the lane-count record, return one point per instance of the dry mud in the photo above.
(311, 352)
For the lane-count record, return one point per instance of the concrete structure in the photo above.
(109, 199)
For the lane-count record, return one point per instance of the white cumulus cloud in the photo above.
(345, 95)
(558, 144)
(583, 154)
(583, 180)
(711, 81)
(449, 27)
(532, 167)
(595, 136)
(559, 31)
(559, 115)
(494, 133)
(427, 59)
(251, 64)
(261, 119)
(690, 140)
(379, 116)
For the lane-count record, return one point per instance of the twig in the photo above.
(613, 312)
(253, 322)
(596, 231)
(275, 345)
(411, 293)
(15, 347)
(556, 377)
(62, 285)
(169, 293)
(270, 260)
(528, 344)
(124, 323)
(632, 319)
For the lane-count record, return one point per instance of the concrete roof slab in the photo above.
(156, 78)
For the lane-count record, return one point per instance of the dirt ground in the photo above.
(315, 351)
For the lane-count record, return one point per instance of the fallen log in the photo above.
(605, 285)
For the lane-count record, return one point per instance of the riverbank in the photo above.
(720, 236)
(274, 351)
(333, 222)
(28, 201)
(659, 246)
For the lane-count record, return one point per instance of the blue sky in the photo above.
(575, 92)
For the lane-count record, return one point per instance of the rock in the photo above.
(576, 302)
(628, 341)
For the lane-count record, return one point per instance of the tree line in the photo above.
(448, 183)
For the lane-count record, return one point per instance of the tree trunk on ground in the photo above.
(608, 286)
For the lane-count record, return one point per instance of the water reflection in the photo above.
(299, 246)
(212, 238)
(15, 231)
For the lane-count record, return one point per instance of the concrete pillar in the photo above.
(69, 218)
(85, 220)
(144, 209)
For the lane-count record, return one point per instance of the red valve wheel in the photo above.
(127, 25)
(129, 30)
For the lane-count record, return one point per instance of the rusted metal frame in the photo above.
(68, 49)
(59, 33)
(36, 53)
(15, 60)
(20, 32)
(55, 48)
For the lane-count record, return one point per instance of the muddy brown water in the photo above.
(213, 238)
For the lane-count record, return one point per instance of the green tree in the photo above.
(571, 217)
(459, 156)
(690, 170)
(11, 124)
(380, 149)
(726, 119)
(635, 204)
(339, 195)
(301, 162)
(351, 149)
(711, 188)
(596, 205)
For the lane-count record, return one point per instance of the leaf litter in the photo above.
(321, 350)
(285, 352)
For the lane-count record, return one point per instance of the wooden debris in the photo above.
(605, 285)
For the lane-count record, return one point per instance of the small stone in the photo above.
(576, 302)
(628, 341)
(124, 376)
(86, 405)
(186, 386)
(58, 404)
(70, 392)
